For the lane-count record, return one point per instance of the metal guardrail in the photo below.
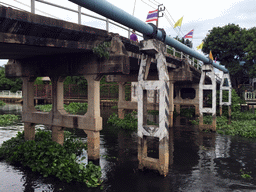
(249, 96)
(80, 13)
(9, 94)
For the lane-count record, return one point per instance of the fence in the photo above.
(249, 96)
(9, 94)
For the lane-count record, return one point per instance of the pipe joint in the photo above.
(153, 35)
(163, 34)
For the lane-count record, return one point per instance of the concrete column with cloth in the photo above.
(207, 68)
(150, 47)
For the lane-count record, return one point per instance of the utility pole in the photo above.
(160, 9)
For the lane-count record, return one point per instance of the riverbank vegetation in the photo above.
(2, 103)
(52, 159)
(8, 119)
(129, 122)
(242, 123)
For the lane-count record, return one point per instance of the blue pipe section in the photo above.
(114, 13)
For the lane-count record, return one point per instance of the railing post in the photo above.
(79, 15)
(107, 25)
(33, 6)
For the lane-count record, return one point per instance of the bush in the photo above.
(50, 158)
(73, 108)
(2, 103)
(8, 119)
(129, 122)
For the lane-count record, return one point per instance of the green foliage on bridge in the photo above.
(52, 159)
(235, 48)
(12, 84)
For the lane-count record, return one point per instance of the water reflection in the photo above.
(201, 162)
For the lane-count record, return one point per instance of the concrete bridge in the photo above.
(38, 46)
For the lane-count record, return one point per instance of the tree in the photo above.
(250, 51)
(12, 84)
(227, 44)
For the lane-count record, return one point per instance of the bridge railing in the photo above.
(249, 96)
(108, 22)
(194, 62)
(9, 94)
(80, 14)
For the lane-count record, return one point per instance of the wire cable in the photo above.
(153, 3)
(157, 2)
(36, 9)
(148, 4)
(12, 6)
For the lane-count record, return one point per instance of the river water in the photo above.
(202, 162)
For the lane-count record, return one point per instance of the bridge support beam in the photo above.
(144, 130)
(207, 68)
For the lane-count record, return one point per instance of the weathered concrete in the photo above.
(29, 131)
(144, 130)
(228, 87)
(121, 100)
(93, 140)
(58, 134)
(202, 86)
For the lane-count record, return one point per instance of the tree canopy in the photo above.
(229, 45)
(12, 84)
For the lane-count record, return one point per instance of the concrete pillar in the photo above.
(28, 94)
(94, 125)
(57, 109)
(28, 106)
(93, 110)
(121, 98)
(29, 131)
(164, 156)
(229, 114)
(161, 132)
(58, 134)
(171, 103)
(142, 151)
(177, 120)
(202, 86)
(93, 141)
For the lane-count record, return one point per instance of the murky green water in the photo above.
(201, 162)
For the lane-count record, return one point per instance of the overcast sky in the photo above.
(200, 15)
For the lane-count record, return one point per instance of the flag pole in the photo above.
(180, 27)
(129, 31)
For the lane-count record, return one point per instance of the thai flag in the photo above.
(152, 15)
(189, 35)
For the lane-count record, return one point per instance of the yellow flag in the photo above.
(200, 46)
(210, 55)
(178, 23)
